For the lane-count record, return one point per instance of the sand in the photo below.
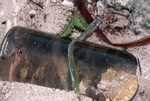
(52, 19)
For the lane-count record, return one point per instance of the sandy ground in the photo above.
(27, 14)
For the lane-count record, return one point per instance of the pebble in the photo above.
(7, 95)
(4, 89)
(107, 99)
(16, 7)
(117, 3)
(1, 13)
(32, 12)
(100, 7)
(67, 3)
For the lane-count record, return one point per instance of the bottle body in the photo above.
(30, 56)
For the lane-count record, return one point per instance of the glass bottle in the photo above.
(41, 58)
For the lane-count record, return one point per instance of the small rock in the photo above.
(89, 1)
(53, 0)
(100, 7)
(118, 4)
(141, 16)
(67, 3)
(16, 7)
(7, 95)
(4, 89)
(107, 99)
(32, 13)
(1, 13)
(57, 90)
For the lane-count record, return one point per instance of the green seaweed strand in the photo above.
(72, 69)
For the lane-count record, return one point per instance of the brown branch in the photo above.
(87, 16)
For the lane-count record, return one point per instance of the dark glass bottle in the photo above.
(32, 56)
